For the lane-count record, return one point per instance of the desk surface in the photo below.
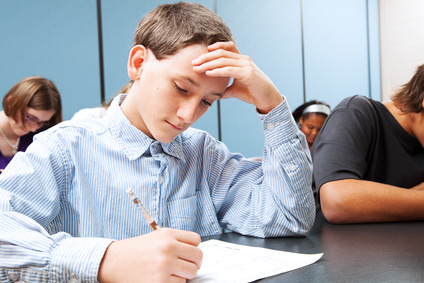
(382, 252)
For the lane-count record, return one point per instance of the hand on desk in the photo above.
(165, 255)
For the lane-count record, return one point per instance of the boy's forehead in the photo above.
(180, 67)
(193, 49)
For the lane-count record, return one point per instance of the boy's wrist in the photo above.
(265, 109)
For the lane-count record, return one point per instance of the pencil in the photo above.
(143, 211)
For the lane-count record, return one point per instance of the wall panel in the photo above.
(270, 33)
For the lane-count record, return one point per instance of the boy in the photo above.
(69, 193)
(369, 158)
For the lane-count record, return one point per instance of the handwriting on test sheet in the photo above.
(226, 262)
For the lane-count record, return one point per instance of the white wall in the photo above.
(402, 42)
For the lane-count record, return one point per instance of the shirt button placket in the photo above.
(161, 179)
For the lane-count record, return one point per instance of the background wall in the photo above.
(311, 49)
(402, 42)
(53, 39)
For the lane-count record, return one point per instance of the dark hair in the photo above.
(298, 112)
(35, 92)
(409, 99)
(172, 27)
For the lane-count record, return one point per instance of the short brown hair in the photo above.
(409, 99)
(35, 92)
(172, 27)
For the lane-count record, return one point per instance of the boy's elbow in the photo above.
(304, 222)
(333, 204)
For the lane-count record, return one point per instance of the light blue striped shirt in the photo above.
(64, 200)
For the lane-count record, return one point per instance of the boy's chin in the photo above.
(167, 139)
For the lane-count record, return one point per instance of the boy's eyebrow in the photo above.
(190, 80)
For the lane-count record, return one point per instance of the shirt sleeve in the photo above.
(29, 199)
(340, 149)
(270, 198)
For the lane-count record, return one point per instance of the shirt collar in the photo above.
(133, 141)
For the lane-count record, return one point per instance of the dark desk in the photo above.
(383, 252)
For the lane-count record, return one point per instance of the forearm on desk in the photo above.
(287, 162)
(358, 201)
(43, 257)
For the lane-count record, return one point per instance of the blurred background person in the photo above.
(310, 116)
(30, 106)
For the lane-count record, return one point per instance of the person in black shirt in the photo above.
(369, 158)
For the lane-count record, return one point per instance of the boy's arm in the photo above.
(165, 255)
(41, 257)
(269, 199)
(281, 204)
(29, 199)
(359, 201)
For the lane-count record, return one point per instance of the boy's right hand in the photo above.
(165, 255)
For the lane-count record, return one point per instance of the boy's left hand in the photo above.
(250, 84)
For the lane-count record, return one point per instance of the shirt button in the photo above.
(292, 167)
(13, 277)
(161, 179)
(73, 279)
(271, 126)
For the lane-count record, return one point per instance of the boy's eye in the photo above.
(206, 103)
(180, 89)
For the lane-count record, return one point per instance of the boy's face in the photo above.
(168, 96)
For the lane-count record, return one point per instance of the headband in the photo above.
(317, 108)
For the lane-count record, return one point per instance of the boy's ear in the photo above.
(135, 61)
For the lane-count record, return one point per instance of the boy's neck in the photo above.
(406, 120)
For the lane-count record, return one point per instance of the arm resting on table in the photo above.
(358, 201)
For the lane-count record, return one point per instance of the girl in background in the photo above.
(31, 105)
(310, 117)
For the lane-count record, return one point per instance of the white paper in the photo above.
(227, 262)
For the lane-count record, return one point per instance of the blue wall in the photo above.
(311, 49)
(53, 39)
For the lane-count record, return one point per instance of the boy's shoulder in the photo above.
(82, 127)
(359, 103)
(355, 101)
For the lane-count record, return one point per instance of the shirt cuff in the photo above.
(78, 258)
(278, 125)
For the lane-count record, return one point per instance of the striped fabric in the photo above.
(64, 200)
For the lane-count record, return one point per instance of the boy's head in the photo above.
(172, 27)
(410, 98)
(167, 95)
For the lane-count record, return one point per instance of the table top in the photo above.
(378, 252)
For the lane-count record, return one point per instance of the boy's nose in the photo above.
(187, 111)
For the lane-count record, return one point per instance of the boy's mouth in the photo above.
(174, 126)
